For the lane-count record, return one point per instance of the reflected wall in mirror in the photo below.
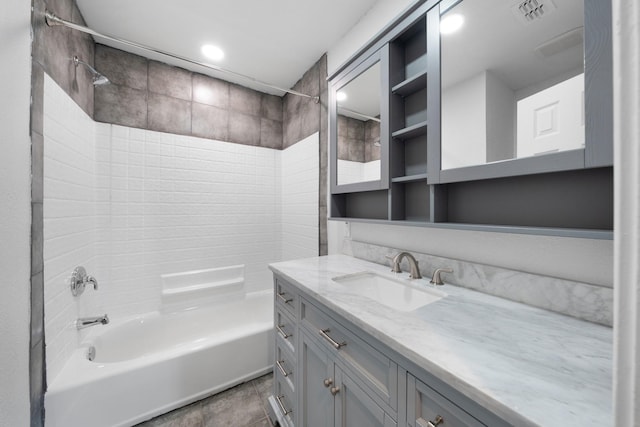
(358, 122)
(512, 76)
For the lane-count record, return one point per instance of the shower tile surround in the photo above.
(158, 203)
(581, 300)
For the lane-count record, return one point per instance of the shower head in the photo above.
(97, 79)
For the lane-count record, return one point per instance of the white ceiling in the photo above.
(273, 41)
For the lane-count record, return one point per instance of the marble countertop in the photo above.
(529, 366)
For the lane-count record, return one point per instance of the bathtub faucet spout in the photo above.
(85, 322)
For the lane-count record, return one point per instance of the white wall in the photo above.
(585, 260)
(69, 211)
(15, 211)
(300, 188)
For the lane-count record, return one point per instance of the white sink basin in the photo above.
(398, 294)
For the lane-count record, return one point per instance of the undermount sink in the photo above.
(398, 294)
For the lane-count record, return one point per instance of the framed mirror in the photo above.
(513, 78)
(358, 129)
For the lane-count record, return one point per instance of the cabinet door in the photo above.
(427, 408)
(354, 407)
(315, 401)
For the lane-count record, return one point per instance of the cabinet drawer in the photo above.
(285, 398)
(372, 368)
(285, 364)
(425, 406)
(285, 330)
(286, 297)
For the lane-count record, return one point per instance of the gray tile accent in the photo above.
(37, 241)
(244, 100)
(37, 382)
(37, 97)
(270, 133)
(121, 105)
(210, 91)
(37, 308)
(37, 167)
(244, 129)
(167, 114)
(122, 68)
(209, 122)
(171, 81)
(271, 107)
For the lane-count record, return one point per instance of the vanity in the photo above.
(347, 354)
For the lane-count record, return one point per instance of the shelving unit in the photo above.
(408, 59)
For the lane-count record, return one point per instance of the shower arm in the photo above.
(52, 20)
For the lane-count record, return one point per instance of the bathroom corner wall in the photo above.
(51, 50)
(150, 95)
(69, 217)
(304, 117)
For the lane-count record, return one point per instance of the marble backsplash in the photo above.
(581, 300)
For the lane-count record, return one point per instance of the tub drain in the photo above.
(91, 353)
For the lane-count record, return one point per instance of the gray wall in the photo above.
(151, 95)
(51, 49)
(356, 139)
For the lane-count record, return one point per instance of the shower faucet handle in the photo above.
(79, 280)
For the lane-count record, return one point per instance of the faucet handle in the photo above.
(436, 279)
(91, 280)
(395, 265)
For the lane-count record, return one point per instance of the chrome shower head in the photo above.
(98, 79)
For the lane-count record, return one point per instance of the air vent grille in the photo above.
(529, 11)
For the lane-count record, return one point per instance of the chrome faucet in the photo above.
(413, 264)
(85, 322)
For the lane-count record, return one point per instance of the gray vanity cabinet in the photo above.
(330, 373)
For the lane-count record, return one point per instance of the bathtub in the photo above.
(150, 364)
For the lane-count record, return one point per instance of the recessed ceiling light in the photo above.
(212, 52)
(341, 96)
(451, 24)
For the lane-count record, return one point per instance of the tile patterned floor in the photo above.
(242, 406)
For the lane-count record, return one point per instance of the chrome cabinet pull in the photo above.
(284, 299)
(334, 343)
(283, 333)
(439, 420)
(334, 390)
(282, 408)
(327, 382)
(279, 365)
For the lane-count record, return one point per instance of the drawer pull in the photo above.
(334, 390)
(439, 420)
(284, 299)
(334, 343)
(283, 333)
(327, 382)
(281, 405)
(279, 365)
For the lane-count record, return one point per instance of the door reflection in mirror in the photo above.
(512, 80)
(358, 124)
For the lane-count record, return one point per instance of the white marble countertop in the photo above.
(529, 366)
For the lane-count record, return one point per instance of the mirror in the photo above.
(358, 128)
(512, 77)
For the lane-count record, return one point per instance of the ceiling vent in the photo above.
(529, 11)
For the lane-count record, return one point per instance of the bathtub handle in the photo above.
(284, 299)
(279, 365)
(283, 333)
(334, 343)
(281, 405)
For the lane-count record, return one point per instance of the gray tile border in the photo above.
(271, 107)
(270, 134)
(121, 105)
(122, 68)
(245, 100)
(167, 114)
(170, 81)
(210, 91)
(244, 129)
(209, 122)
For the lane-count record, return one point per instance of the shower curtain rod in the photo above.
(52, 20)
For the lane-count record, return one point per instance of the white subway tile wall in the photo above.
(300, 195)
(69, 216)
(132, 204)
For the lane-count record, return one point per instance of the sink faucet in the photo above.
(413, 264)
(85, 322)
(436, 279)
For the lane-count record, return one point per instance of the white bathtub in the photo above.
(151, 364)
